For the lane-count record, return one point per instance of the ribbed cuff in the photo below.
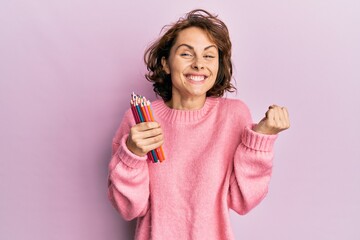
(258, 141)
(127, 157)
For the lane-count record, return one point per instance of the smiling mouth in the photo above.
(195, 78)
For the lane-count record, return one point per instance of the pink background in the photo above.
(67, 69)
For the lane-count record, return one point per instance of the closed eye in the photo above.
(185, 55)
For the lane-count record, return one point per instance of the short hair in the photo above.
(218, 33)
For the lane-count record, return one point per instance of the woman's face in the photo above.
(193, 64)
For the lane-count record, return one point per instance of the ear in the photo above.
(165, 65)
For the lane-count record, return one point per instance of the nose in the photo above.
(197, 64)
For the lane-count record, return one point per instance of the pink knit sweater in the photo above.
(214, 161)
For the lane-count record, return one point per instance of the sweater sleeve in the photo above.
(252, 168)
(128, 178)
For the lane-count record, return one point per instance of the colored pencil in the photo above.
(142, 112)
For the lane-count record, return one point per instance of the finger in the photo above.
(270, 114)
(154, 146)
(144, 126)
(280, 115)
(157, 140)
(145, 133)
(273, 106)
(281, 118)
(277, 111)
(275, 117)
(151, 133)
(286, 115)
(146, 145)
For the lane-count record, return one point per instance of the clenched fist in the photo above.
(276, 120)
(144, 137)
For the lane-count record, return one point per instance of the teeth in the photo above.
(196, 78)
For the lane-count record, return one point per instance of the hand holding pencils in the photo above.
(146, 136)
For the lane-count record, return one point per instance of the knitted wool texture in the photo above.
(214, 161)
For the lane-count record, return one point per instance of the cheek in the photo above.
(177, 66)
(214, 68)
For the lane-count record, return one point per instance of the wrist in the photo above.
(259, 129)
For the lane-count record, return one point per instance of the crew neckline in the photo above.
(183, 116)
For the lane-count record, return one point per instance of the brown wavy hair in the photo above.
(218, 33)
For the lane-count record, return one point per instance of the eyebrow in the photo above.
(192, 48)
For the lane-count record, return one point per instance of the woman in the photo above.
(216, 158)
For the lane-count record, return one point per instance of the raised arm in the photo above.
(253, 159)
